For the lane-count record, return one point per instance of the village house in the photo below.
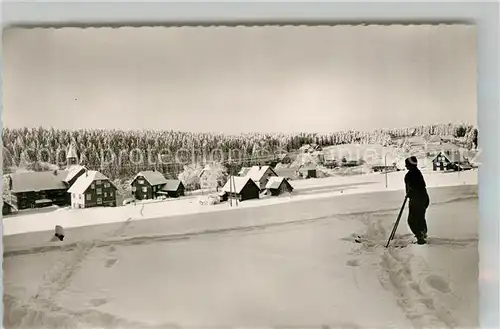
(306, 171)
(173, 188)
(147, 184)
(38, 189)
(260, 175)
(278, 185)
(44, 188)
(329, 160)
(450, 161)
(244, 188)
(93, 189)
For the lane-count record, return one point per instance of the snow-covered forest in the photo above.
(41, 148)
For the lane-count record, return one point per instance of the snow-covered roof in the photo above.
(83, 182)
(307, 167)
(256, 173)
(287, 172)
(244, 171)
(171, 185)
(73, 171)
(152, 177)
(275, 182)
(38, 181)
(239, 184)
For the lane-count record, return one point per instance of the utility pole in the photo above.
(385, 169)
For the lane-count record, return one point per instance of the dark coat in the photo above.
(416, 189)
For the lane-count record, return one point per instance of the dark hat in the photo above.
(411, 161)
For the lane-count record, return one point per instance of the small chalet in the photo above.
(278, 185)
(244, 188)
(307, 172)
(173, 188)
(93, 189)
(329, 161)
(450, 161)
(148, 184)
(8, 208)
(260, 175)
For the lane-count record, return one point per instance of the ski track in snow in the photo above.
(418, 291)
(55, 281)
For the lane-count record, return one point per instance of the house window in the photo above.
(134, 189)
(140, 181)
(111, 193)
(145, 189)
(106, 185)
(98, 182)
(105, 194)
(99, 191)
(99, 200)
(89, 197)
(79, 196)
(92, 186)
(74, 195)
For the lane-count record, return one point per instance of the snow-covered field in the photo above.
(288, 261)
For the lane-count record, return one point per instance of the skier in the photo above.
(416, 192)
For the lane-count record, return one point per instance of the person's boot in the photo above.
(421, 240)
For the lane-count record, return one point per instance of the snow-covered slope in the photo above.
(289, 264)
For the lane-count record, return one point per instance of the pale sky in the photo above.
(226, 79)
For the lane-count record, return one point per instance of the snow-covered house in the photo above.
(278, 185)
(450, 161)
(35, 189)
(93, 189)
(307, 171)
(244, 188)
(173, 188)
(260, 175)
(147, 184)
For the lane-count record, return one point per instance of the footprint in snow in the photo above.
(110, 262)
(352, 262)
(438, 283)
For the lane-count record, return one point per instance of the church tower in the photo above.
(71, 156)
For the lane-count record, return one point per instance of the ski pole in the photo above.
(394, 229)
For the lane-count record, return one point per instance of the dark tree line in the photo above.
(112, 151)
